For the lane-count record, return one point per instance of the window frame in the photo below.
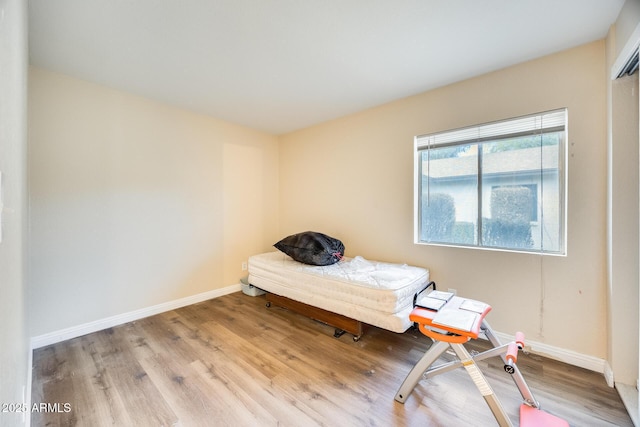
(463, 136)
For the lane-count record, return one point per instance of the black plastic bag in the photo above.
(312, 248)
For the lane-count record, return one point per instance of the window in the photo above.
(498, 185)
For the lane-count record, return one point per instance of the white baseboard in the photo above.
(608, 374)
(98, 325)
(563, 355)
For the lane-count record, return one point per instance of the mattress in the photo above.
(373, 292)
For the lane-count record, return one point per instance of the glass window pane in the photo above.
(519, 188)
(551, 232)
(449, 195)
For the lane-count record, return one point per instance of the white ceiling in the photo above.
(282, 65)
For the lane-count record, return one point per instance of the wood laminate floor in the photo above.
(232, 361)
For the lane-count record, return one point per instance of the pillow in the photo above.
(312, 248)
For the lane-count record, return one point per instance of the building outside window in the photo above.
(498, 185)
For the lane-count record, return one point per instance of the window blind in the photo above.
(550, 121)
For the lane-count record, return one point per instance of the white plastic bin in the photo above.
(249, 289)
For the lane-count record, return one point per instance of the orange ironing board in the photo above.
(444, 326)
(425, 320)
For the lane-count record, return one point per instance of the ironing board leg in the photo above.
(412, 379)
(483, 386)
(517, 377)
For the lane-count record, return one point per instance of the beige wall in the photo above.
(623, 245)
(14, 342)
(624, 230)
(135, 203)
(353, 178)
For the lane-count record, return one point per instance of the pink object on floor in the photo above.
(533, 417)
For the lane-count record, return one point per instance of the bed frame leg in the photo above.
(339, 332)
